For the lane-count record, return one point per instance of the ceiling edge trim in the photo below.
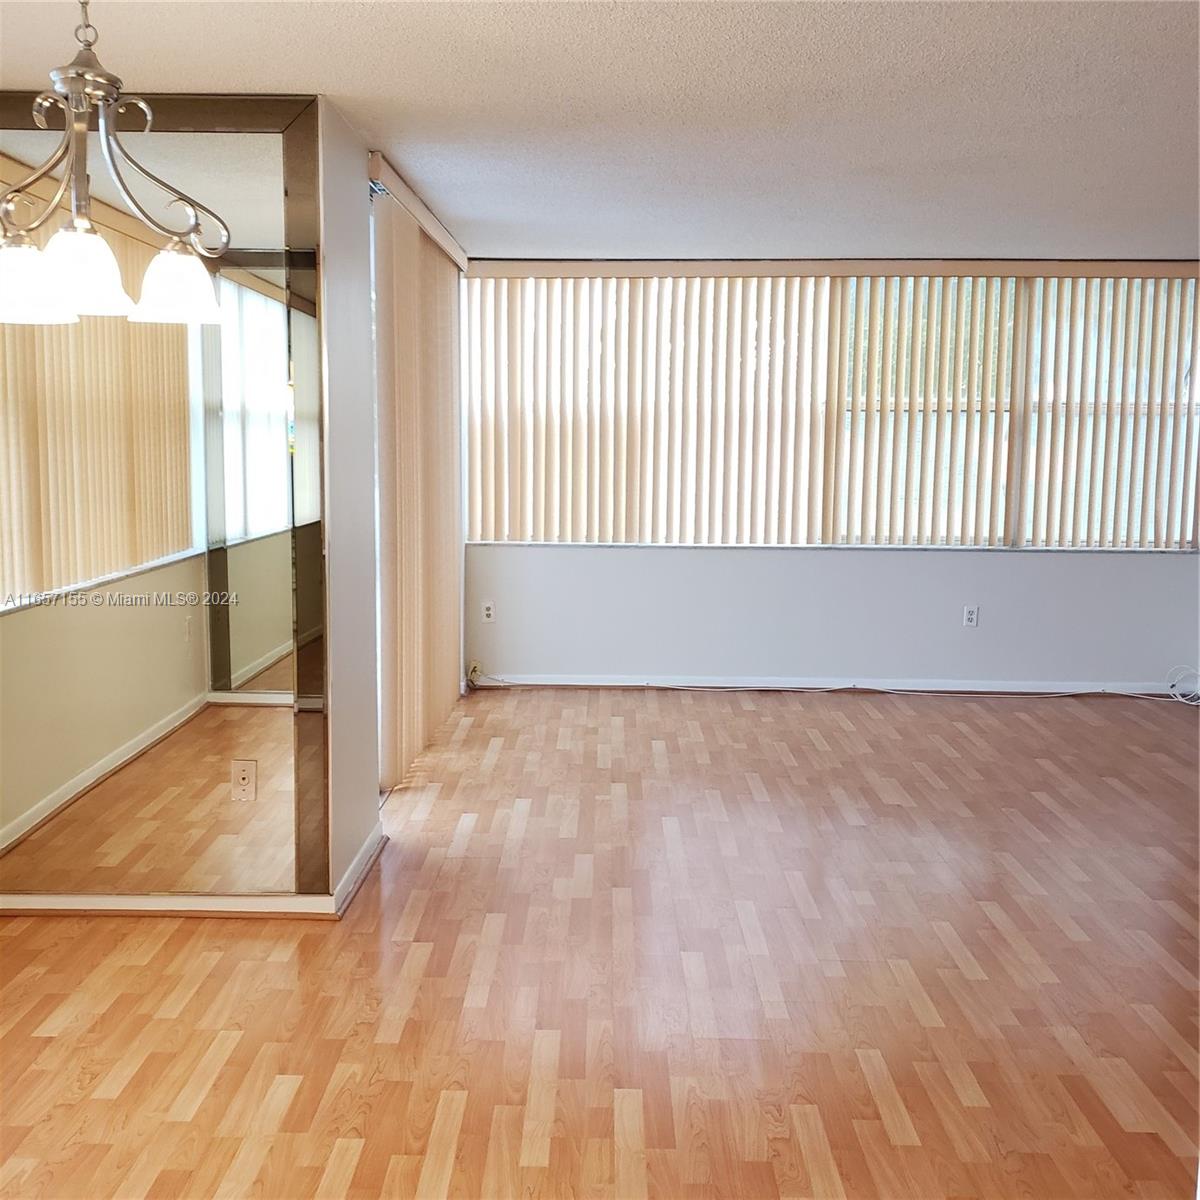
(385, 177)
(514, 268)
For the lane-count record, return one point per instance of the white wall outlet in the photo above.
(971, 616)
(488, 611)
(244, 778)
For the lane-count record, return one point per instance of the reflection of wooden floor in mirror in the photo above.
(166, 822)
(275, 678)
(310, 668)
(280, 675)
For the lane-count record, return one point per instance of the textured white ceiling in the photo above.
(722, 130)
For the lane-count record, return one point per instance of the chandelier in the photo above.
(77, 273)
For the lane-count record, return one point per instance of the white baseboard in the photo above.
(783, 683)
(310, 636)
(109, 763)
(357, 870)
(174, 904)
(261, 663)
(262, 699)
(280, 904)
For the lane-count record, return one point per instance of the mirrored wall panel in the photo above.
(162, 564)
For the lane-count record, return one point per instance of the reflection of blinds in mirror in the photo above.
(94, 445)
(800, 410)
(255, 407)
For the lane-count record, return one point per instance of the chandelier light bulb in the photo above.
(85, 272)
(177, 290)
(27, 293)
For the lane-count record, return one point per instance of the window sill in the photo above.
(841, 546)
(39, 599)
(245, 541)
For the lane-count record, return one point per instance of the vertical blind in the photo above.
(94, 445)
(1109, 414)
(420, 512)
(802, 410)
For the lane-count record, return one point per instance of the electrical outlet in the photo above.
(244, 778)
(488, 611)
(971, 616)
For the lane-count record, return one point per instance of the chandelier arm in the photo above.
(43, 103)
(112, 148)
(9, 225)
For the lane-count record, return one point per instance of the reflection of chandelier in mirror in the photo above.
(77, 274)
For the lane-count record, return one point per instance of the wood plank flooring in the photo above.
(667, 944)
(166, 821)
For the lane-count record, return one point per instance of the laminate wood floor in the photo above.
(667, 944)
(167, 822)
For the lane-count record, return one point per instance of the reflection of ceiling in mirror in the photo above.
(237, 175)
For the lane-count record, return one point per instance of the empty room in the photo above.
(599, 600)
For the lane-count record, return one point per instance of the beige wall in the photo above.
(260, 623)
(84, 687)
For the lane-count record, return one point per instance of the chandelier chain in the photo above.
(86, 34)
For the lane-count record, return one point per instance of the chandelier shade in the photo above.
(77, 274)
(84, 271)
(177, 289)
(27, 293)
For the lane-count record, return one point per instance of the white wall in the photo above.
(350, 455)
(260, 623)
(635, 614)
(83, 688)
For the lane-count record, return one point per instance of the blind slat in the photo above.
(1175, 532)
(1085, 481)
(1166, 411)
(1147, 412)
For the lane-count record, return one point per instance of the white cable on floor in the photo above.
(1172, 693)
(1176, 676)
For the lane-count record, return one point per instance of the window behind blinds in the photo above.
(256, 403)
(917, 435)
(1109, 416)
(899, 410)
